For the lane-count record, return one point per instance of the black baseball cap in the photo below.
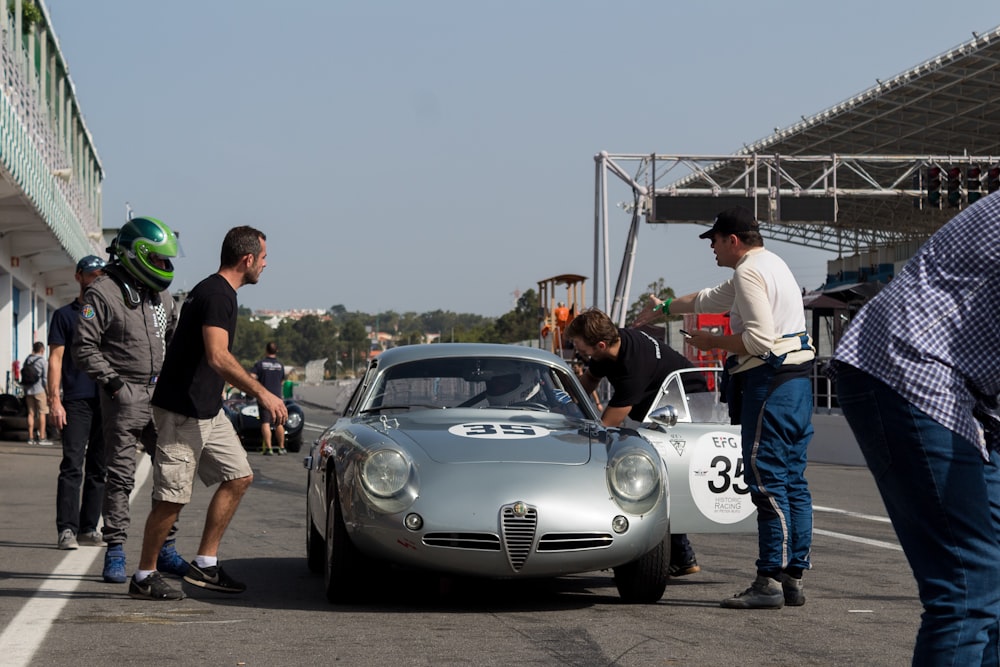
(89, 264)
(732, 221)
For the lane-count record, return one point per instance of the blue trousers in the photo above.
(776, 426)
(944, 503)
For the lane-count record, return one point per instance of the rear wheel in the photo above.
(643, 580)
(343, 571)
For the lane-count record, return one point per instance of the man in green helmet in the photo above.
(126, 318)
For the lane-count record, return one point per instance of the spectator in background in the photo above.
(562, 319)
(271, 373)
(76, 409)
(34, 396)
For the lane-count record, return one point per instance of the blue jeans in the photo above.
(944, 503)
(82, 465)
(776, 426)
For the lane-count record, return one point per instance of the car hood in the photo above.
(481, 436)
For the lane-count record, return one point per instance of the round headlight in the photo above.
(634, 477)
(294, 420)
(385, 472)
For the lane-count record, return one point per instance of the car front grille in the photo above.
(574, 541)
(475, 541)
(518, 534)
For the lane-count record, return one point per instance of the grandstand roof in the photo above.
(948, 105)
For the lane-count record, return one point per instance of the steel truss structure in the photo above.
(851, 178)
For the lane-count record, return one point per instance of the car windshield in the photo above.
(477, 382)
(695, 394)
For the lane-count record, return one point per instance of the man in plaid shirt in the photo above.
(918, 375)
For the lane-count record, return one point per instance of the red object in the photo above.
(717, 324)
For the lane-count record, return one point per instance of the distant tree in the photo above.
(662, 292)
(250, 339)
(354, 342)
(338, 311)
(519, 324)
(316, 338)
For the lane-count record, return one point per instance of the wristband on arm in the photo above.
(664, 307)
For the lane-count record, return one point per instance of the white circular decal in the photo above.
(716, 477)
(498, 431)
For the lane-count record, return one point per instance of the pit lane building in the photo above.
(50, 183)
(870, 177)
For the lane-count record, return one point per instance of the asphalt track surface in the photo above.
(861, 604)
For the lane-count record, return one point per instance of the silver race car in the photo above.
(484, 460)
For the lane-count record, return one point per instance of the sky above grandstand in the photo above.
(416, 156)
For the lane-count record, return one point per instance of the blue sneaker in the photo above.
(170, 562)
(114, 564)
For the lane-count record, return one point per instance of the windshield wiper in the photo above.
(400, 407)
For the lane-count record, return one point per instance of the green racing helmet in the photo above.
(139, 242)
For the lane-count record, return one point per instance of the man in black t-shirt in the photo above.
(271, 373)
(636, 364)
(195, 436)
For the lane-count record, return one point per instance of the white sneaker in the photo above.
(32, 441)
(67, 540)
(44, 442)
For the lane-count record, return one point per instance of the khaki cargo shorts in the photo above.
(187, 445)
(38, 404)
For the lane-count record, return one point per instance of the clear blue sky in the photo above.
(412, 156)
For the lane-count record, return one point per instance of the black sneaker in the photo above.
(153, 587)
(684, 569)
(213, 578)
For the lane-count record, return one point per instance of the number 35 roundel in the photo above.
(716, 477)
(498, 431)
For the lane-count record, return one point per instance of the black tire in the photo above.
(343, 576)
(12, 406)
(14, 423)
(315, 546)
(643, 580)
(294, 445)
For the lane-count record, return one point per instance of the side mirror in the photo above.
(665, 416)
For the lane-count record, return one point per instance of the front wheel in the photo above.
(315, 546)
(294, 445)
(343, 572)
(643, 580)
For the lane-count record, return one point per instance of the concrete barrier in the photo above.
(331, 395)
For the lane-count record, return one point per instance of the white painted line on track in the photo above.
(26, 631)
(859, 540)
(854, 515)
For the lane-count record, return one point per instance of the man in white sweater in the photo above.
(770, 360)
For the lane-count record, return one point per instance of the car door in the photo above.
(703, 455)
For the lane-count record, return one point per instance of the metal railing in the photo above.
(31, 150)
